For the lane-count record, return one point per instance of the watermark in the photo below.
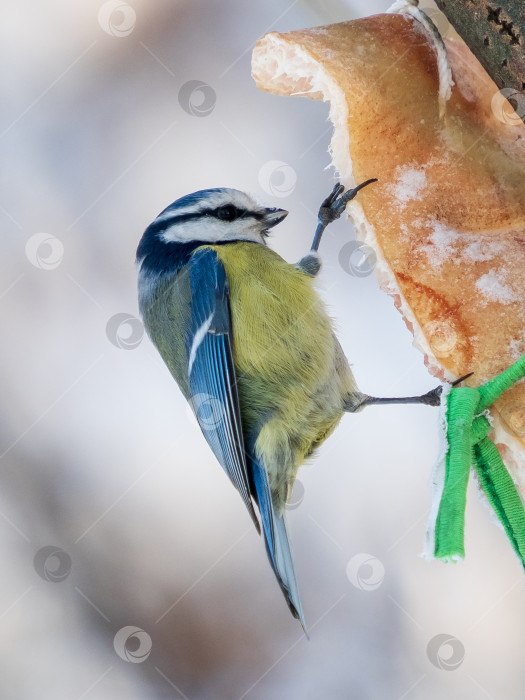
(366, 572)
(117, 18)
(125, 331)
(513, 417)
(208, 410)
(445, 652)
(357, 259)
(52, 564)
(508, 106)
(297, 496)
(197, 98)
(438, 19)
(277, 178)
(132, 644)
(441, 337)
(44, 251)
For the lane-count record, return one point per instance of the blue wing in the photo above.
(215, 402)
(214, 396)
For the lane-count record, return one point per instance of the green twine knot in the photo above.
(469, 444)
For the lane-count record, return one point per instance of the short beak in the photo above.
(272, 217)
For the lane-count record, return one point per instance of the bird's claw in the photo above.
(465, 376)
(334, 194)
(335, 204)
(433, 397)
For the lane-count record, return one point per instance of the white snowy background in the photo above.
(100, 461)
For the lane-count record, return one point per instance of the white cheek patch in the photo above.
(207, 228)
(213, 230)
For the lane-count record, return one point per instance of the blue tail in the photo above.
(276, 540)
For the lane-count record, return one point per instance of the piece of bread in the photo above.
(447, 217)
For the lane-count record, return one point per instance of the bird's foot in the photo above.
(335, 204)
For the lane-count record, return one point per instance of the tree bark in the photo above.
(495, 33)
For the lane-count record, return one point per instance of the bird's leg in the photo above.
(357, 401)
(330, 210)
(431, 398)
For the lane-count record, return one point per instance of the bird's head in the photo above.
(208, 216)
(214, 216)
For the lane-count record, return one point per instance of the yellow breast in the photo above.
(280, 326)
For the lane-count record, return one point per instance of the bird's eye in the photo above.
(226, 213)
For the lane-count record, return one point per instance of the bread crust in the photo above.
(447, 217)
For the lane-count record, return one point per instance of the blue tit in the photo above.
(251, 346)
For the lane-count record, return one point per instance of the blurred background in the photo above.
(130, 567)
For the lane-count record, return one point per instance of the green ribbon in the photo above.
(469, 444)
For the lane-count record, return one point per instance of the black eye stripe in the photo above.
(182, 218)
(233, 213)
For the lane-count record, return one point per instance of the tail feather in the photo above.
(277, 542)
